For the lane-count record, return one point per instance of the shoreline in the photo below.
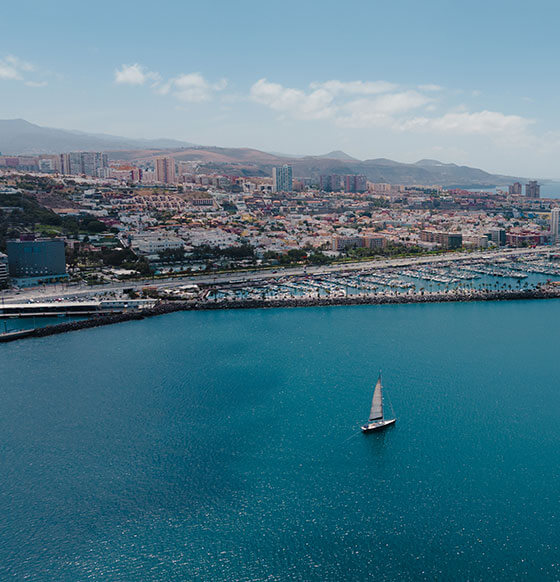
(165, 308)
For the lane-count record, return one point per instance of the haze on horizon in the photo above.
(471, 85)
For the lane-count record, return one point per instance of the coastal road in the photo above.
(51, 292)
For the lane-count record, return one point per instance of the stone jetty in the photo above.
(169, 306)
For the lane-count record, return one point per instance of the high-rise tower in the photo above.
(165, 170)
(282, 179)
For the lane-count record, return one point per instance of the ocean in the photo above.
(549, 189)
(226, 446)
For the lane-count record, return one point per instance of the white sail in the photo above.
(376, 411)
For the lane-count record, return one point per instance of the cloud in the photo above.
(314, 105)
(430, 87)
(347, 104)
(355, 87)
(7, 72)
(135, 75)
(36, 83)
(19, 63)
(367, 104)
(192, 88)
(333, 100)
(393, 102)
(380, 111)
(491, 123)
(322, 101)
(13, 69)
(188, 88)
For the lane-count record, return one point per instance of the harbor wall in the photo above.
(546, 292)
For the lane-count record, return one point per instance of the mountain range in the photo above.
(20, 137)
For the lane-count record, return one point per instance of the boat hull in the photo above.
(371, 426)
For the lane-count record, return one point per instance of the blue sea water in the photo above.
(225, 446)
(549, 189)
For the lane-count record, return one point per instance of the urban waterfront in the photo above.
(225, 445)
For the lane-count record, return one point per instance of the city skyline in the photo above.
(214, 75)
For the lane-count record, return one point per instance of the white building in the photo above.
(3, 269)
(210, 236)
(282, 179)
(554, 224)
(152, 244)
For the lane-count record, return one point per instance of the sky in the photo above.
(474, 83)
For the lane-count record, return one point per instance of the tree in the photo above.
(96, 226)
(318, 258)
(172, 255)
(116, 257)
(244, 251)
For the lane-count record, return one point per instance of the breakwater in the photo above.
(163, 308)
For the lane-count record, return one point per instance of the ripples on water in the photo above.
(224, 446)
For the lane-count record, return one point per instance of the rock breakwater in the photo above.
(162, 308)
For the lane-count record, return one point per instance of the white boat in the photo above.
(376, 419)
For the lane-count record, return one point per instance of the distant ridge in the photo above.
(338, 155)
(18, 136)
(431, 163)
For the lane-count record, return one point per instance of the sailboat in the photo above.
(376, 419)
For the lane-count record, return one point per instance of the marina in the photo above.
(469, 276)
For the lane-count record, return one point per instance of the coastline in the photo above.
(164, 308)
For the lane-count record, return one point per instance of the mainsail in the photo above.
(376, 411)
